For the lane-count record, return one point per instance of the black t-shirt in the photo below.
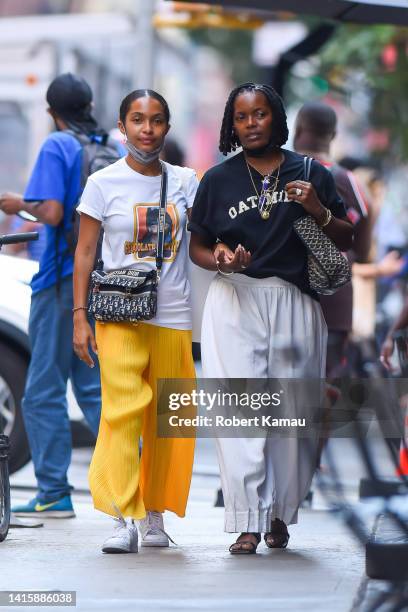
(226, 209)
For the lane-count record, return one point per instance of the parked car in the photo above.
(15, 296)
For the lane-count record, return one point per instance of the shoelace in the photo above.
(120, 519)
(154, 522)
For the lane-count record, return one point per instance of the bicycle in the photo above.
(4, 441)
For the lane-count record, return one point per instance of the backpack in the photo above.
(98, 152)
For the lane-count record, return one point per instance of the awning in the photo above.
(361, 11)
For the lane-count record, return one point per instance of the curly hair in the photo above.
(229, 141)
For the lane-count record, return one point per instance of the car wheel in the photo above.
(13, 371)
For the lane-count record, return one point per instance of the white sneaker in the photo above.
(124, 540)
(152, 530)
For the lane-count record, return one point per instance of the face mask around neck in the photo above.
(143, 157)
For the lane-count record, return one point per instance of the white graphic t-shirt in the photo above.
(127, 204)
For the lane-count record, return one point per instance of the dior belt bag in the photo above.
(129, 294)
(327, 267)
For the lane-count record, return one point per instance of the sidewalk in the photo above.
(321, 570)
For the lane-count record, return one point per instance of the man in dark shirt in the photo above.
(315, 130)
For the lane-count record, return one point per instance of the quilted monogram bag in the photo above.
(328, 268)
(129, 294)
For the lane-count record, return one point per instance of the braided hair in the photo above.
(229, 141)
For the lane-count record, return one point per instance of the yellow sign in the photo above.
(193, 16)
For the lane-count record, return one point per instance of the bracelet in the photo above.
(79, 308)
(221, 272)
(328, 218)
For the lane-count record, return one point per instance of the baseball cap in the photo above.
(68, 94)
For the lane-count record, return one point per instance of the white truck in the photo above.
(102, 47)
(15, 274)
(15, 297)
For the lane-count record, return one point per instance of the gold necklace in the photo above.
(265, 198)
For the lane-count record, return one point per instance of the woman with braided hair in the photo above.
(242, 226)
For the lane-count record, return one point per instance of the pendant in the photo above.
(264, 214)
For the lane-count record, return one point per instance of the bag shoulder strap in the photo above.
(307, 167)
(82, 138)
(59, 257)
(162, 219)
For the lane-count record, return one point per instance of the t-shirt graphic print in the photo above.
(145, 233)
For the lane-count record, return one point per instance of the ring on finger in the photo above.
(299, 191)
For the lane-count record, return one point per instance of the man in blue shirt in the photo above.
(51, 195)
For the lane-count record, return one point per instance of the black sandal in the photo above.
(245, 547)
(278, 536)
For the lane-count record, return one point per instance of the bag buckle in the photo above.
(128, 292)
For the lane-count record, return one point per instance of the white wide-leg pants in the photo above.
(263, 328)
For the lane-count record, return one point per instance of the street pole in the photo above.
(144, 64)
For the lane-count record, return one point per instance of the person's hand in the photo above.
(390, 264)
(84, 338)
(221, 247)
(305, 194)
(11, 203)
(387, 350)
(239, 261)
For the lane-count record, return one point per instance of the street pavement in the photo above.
(321, 570)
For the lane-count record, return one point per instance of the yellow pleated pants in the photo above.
(132, 358)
